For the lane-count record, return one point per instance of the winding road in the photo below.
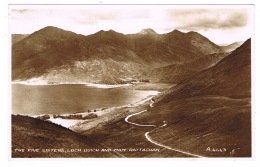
(129, 116)
(153, 141)
(169, 148)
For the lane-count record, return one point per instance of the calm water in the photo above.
(58, 99)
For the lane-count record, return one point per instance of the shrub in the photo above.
(44, 117)
(90, 116)
(144, 80)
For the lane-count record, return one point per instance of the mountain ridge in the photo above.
(51, 48)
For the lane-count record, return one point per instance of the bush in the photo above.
(44, 117)
(90, 116)
(144, 80)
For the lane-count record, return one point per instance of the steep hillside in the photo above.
(202, 43)
(46, 49)
(178, 72)
(106, 71)
(31, 133)
(231, 77)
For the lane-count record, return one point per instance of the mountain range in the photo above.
(55, 55)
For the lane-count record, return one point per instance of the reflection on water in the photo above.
(58, 99)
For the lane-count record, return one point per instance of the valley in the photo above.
(202, 108)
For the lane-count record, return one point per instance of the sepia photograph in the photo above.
(131, 81)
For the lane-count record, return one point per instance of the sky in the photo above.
(222, 24)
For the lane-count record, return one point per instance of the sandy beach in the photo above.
(100, 113)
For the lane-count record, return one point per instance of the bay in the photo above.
(69, 98)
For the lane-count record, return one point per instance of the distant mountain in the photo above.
(55, 55)
(147, 31)
(18, 37)
(231, 47)
(203, 44)
(178, 72)
(176, 47)
(44, 50)
(209, 110)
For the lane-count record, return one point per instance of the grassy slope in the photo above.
(194, 124)
(114, 132)
(30, 133)
(209, 110)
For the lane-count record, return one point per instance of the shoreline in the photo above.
(102, 86)
(68, 120)
(160, 87)
(99, 112)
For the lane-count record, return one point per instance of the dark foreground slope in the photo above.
(31, 133)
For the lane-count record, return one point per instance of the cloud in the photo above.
(22, 11)
(205, 19)
(29, 14)
(85, 17)
(116, 15)
(233, 21)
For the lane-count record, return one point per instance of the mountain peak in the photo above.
(107, 32)
(53, 31)
(51, 28)
(147, 31)
(176, 31)
(193, 33)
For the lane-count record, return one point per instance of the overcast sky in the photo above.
(221, 24)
